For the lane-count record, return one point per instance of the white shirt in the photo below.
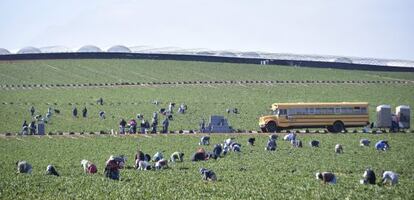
(392, 176)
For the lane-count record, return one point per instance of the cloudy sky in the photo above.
(362, 28)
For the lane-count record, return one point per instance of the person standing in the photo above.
(32, 111)
(75, 112)
(202, 125)
(154, 124)
(100, 101)
(165, 125)
(122, 125)
(32, 128)
(142, 125)
(84, 112)
(25, 128)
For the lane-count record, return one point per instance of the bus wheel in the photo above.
(330, 129)
(338, 126)
(271, 127)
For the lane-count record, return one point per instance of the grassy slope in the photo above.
(111, 71)
(252, 101)
(286, 173)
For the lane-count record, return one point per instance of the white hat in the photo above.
(317, 175)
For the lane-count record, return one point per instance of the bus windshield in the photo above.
(275, 111)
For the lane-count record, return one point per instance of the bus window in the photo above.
(329, 110)
(364, 110)
(282, 112)
(337, 110)
(357, 110)
(301, 111)
(346, 110)
(311, 111)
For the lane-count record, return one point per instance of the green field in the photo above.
(202, 101)
(254, 173)
(118, 71)
(253, 100)
(287, 173)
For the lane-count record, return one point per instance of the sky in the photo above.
(358, 28)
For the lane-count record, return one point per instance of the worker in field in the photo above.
(296, 143)
(122, 125)
(251, 141)
(236, 147)
(89, 167)
(48, 116)
(394, 124)
(369, 177)
(177, 157)
(102, 114)
(273, 137)
(389, 177)
(84, 112)
(25, 128)
(181, 109)
(51, 170)
(100, 101)
(271, 145)
(165, 125)
(202, 126)
(290, 137)
(49, 113)
(113, 166)
(23, 167)
(139, 155)
(75, 112)
(143, 165)
(364, 142)
(326, 177)
(339, 149)
(382, 145)
(217, 150)
(207, 174)
(154, 124)
(199, 155)
(32, 111)
(205, 140)
(171, 107)
(132, 126)
(157, 156)
(314, 143)
(32, 128)
(161, 164)
(142, 126)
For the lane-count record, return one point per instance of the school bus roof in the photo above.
(318, 104)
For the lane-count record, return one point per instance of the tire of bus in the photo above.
(330, 129)
(271, 127)
(337, 127)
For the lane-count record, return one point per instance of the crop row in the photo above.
(23, 86)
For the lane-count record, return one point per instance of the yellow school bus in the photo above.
(333, 116)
